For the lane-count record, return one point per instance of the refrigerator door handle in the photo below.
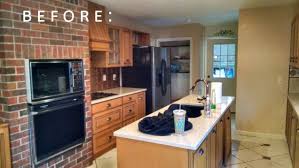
(163, 78)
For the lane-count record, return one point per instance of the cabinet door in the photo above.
(200, 156)
(211, 149)
(114, 53)
(220, 143)
(293, 134)
(141, 105)
(127, 48)
(227, 136)
(288, 122)
(5, 160)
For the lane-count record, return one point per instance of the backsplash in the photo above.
(97, 82)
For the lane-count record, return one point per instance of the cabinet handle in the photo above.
(201, 152)
(130, 111)
(228, 118)
(130, 98)
(110, 138)
(108, 105)
(109, 119)
(214, 131)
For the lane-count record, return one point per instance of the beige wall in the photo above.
(195, 31)
(262, 69)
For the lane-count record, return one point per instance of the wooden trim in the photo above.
(5, 157)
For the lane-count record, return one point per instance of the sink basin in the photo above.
(192, 111)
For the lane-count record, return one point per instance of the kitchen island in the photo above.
(207, 144)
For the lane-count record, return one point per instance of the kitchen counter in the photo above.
(120, 92)
(294, 100)
(191, 139)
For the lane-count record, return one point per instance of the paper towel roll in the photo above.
(217, 87)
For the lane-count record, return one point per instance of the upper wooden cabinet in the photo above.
(294, 59)
(140, 38)
(120, 49)
(127, 47)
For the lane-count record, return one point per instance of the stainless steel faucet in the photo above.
(206, 82)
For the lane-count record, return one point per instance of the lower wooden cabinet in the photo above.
(5, 158)
(227, 136)
(111, 115)
(292, 135)
(200, 157)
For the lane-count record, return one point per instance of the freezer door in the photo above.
(161, 76)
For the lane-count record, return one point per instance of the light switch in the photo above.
(104, 77)
(114, 77)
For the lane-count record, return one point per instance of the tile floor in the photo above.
(247, 152)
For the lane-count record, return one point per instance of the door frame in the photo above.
(158, 41)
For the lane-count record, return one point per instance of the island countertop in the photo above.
(191, 139)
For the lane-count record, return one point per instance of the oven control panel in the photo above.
(77, 76)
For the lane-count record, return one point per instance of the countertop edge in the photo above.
(117, 96)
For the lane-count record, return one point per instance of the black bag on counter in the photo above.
(161, 125)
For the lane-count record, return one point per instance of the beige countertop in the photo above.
(191, 139)
(120, 92)
(294, 100)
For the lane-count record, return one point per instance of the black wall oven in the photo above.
(52, 79)
(56, 127)
(55, 92)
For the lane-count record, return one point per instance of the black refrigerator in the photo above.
(150, 70)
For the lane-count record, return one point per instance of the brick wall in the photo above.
(97, 83)
(48, 40)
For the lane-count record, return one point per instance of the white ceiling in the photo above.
(165, 12)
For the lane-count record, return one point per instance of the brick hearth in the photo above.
(57, 40)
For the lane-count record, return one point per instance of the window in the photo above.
(224, 60)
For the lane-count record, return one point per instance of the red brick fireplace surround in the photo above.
(49, 40)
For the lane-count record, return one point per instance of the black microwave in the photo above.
(49, 80)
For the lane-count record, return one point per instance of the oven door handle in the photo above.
(33, 113)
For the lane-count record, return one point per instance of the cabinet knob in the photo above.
(109, 119)
(108, 105)
(201, 152)
(130, 98)
(110, 138)
(139, 98)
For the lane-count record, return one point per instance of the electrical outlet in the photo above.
(104, 77)
(114, 77)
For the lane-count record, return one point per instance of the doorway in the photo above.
(180, 58)
(221, 64)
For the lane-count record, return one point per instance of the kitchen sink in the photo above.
(193, 111)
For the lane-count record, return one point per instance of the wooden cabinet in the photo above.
(111, 115)
(5, 157)
(140, 38)
(120, 53)
(98, 31)
(219, 143)
(200, 156)
(227, 136)
(294, 58)
(141, 106)
(211, 149)
(127, 47)
(292, 134)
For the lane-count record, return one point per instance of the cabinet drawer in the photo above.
(104, 141)
(129, 111)
(129, 121)
(106, 119)
(99, 46)
(107, 105)
(130, 98)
